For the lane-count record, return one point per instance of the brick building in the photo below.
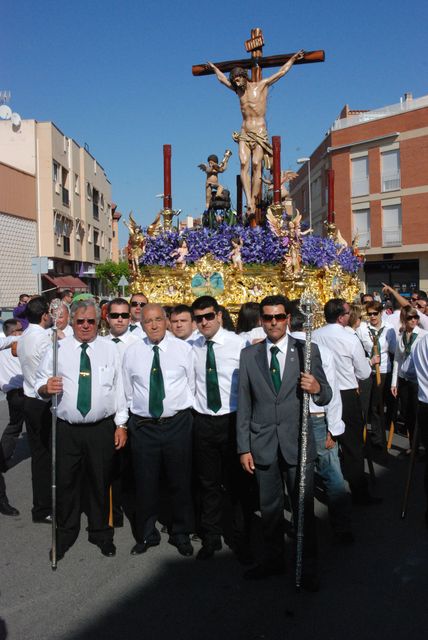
(380, 164)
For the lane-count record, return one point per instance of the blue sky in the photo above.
(117, 75)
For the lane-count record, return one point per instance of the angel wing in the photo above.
(297, 218)
(203, 167)
(152, 228)
(273, 223)
(288, 175)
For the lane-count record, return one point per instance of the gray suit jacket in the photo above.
(267, 420)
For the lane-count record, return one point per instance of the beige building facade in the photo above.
(71, 203)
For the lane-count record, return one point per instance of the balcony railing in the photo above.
(391, 182)
(65, 197)
(391, 236)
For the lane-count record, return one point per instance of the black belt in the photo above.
(86, 424)
(145, 420)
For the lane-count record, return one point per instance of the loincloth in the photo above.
(253, 139)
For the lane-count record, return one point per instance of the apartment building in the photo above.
(72, 202)
(378, 189)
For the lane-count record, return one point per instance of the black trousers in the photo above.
(157, 445)
(377, 410)
(38, 420)
(221, 476)
(423, 430)
(85, 453)
(408, 399)
(271, 492)
(351, 443)
(15, 401)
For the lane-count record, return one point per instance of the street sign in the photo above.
(39, 265)
(123, 282)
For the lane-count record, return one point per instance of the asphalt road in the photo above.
(376, 588)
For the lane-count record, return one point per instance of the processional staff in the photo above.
(54, 310)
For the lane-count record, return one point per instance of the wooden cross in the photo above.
(257, 62)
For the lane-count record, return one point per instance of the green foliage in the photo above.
(111, 272)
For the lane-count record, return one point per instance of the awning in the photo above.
(67, 282)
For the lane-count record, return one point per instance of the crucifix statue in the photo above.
(253, 140)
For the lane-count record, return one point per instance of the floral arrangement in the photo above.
(260, 246)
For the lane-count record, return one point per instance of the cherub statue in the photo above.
(235, 254)
(291, 235)
(136, 244)
(286, 176)
(180, 254)
(212, 169)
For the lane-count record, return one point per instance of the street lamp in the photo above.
(302, 161)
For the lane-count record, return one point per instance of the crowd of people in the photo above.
(179, 402)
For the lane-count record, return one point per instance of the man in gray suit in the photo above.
(271, 385)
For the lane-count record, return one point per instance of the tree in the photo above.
(111, 272)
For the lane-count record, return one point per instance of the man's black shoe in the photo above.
(142, 547)
(311, 583)
(6, 509)
(262, 571)
(42, 520)
(208, 549)
(108, 549)
(366, 500)
(183, 546)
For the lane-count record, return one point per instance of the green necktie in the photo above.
(84, 386)
(213, 391)
(132, 327)
(275, 371)
(157, 389)
(116, 340)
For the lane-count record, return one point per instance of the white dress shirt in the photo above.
(333, 409)
(67, 331)
(349, 357)
(419, 356)
(258, 333)
(402, 362)
(138, 332)
(176, 362)
(281, 355)
(6, 342)
(387, 342)
(107, 395)
(10, 372)
(34, 343)
(227, 347)
(125, 340)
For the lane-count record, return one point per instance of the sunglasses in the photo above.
(115, 316)
(373, 313)
(83, 320)
(208, 316)
(279, 317)
(420, 306)
(414, 299)
(412, 317)
(138, 304)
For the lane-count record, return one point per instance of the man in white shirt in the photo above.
(351, 366)
(118, 319)
(137, 303)
(158, 378)
(11, 381)
(216, 356)
(33, 345)
(378, 336)
(92, 415)
(182, 323)
(419, 356)
(62, 322)
(327, 425)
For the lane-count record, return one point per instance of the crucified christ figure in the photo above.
(253, 138)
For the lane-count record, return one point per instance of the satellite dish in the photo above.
(16, 120)
(5, 112)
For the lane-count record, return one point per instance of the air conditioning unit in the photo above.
(57, 188)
